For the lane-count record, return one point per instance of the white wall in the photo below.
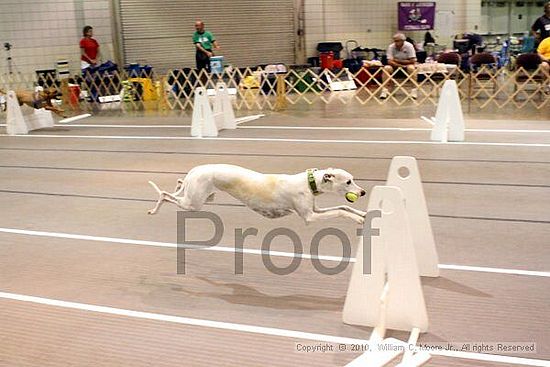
(495, 19)
(42, 32)
(373, 22)
(45, 31)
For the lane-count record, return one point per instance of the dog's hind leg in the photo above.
(185, 203)
(179, 187)
(163, 196)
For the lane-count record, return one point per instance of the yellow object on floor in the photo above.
(148, 91)
(250, 82)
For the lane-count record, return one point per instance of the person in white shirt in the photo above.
(400, 54)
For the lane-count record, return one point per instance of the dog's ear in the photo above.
(327, 177)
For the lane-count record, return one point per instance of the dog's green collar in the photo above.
(311, 181)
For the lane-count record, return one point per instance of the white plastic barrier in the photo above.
(207, 122)
(404, 173)
(203, 124)
(223, 109)
(448, 123)
(393, 264)
(75, 118)
(390, 296)
(22, 119)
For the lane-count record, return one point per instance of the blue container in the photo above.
(138, 71)
(216, 64)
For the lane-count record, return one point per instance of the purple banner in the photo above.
(416, 16)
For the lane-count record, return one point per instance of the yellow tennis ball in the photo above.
(351, 197)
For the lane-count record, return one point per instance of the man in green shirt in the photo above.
(205, 42)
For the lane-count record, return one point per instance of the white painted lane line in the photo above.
(325, 141)
(180, 320)
(262, 330)
(509, 131)
(126, 241)
(281, 127)
(495, 270)
(492, 358)
(127, 126)
(361, 128)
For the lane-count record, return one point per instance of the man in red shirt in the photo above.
(89, 49)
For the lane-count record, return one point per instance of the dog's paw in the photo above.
(151, 212)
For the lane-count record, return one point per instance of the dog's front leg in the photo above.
(341, 207)
(333, 213)
(55, 110)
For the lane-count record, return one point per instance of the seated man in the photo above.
(400, 54)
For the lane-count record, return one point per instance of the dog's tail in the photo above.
(155, 187)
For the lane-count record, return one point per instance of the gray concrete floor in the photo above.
(347, 109)
(489, 207)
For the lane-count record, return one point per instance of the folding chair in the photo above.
(483, 72)
(528, 72)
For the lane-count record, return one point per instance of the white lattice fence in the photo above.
(255, 89)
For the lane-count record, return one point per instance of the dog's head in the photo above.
(50, 93)
(340, 182)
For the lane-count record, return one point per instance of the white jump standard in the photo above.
(448, 123)
(271, 195)
(207, 121)
(387, 294)
(22, 119)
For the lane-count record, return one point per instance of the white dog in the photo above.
(271, 195)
